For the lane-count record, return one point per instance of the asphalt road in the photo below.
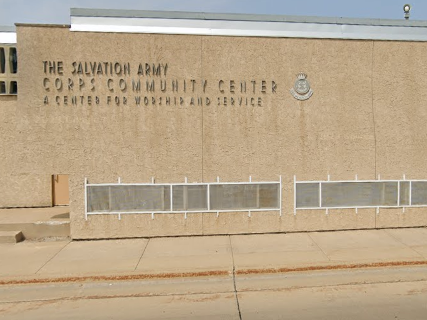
(392, 293)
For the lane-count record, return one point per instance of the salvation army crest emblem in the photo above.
(301, 89)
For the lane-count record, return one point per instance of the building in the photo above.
(175, 123)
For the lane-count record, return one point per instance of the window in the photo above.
(8, 70)
(360, 194)
(13, 88)
(175, 198)
(190, 197)
(13, 60)
(2, 61)
(2, 87)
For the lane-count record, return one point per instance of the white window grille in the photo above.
(359, 194)
(133, 198)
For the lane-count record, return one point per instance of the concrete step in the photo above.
(37, 223)
(11, 236)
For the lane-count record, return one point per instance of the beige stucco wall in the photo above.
(366, 117)
(18, 188)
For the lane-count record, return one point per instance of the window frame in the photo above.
(8, 77)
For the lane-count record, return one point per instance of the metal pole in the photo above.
(85, 198)
(280, 195)
(295, 195)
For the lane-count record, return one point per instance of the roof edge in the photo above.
(42, 25)
(87, 12)
(7, 29)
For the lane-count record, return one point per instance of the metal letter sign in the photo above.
(301, 89)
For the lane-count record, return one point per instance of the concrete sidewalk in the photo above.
(210, 255)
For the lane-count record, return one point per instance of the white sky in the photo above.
(58, 11)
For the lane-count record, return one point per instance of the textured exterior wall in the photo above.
(18, 187)
(366, 117)
(400, 97)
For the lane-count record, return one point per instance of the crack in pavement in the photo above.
(234, 280)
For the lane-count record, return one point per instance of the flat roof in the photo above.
(7, 29)
(245, 25)
(111, 13)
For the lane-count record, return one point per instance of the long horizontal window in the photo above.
(359, 194)
(121, 198)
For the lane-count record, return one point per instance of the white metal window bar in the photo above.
(170, 201)
(399, 202)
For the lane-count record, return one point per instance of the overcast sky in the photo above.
(58, 11)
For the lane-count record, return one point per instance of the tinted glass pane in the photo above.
(233, 196)
(2, 87)
(187, 198)
(404, 193)
(269, 196)
(419, 193)
(13, 60)
(2, 61)
(352, 194)
(307, 195)
(140, 198)
(13, 87)
(98, 199)
(244, 196)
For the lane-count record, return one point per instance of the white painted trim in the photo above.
(362, 207)
(277, 29)
(295, 194)
(353, 181)
(280, 194)
(177, 212)
(7, 37)
(86, 198)
(180, 184)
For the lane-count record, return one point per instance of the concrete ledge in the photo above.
(37, 223)
(40, 230)
(11, 236)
